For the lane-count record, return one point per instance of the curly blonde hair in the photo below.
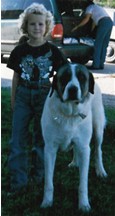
(36, 8)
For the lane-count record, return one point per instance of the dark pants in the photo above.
(103, 33)
(28, 105)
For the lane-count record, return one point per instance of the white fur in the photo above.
(64, 123)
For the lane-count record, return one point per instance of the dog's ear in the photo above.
(53, 77)
(54, 84)
(91, 83)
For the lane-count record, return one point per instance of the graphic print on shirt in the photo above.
(35, 69)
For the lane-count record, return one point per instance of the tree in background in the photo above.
(109, 3)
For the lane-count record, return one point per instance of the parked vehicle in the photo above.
(67, 14)
(110, 57)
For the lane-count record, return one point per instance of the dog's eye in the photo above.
(81, 77)
(65, 78)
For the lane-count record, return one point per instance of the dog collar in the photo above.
(83, 116)
(59, 117)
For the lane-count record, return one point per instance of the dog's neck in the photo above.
(71, 110)
(58, 117)
(66, 110)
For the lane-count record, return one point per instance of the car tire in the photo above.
(110, 56)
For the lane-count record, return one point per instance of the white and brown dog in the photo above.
(72, 112)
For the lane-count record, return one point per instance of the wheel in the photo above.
(110, 56)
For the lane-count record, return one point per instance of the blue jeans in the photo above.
(28, 105)
(104, 29)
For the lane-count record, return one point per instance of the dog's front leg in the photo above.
(84, 157)
(49, 158)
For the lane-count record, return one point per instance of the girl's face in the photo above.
(36, 26)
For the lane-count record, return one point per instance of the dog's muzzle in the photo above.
(73, 93)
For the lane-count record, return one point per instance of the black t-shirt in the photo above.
(33, 63)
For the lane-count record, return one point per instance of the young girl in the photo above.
(31, 61)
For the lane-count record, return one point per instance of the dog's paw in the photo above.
(46, 204)
(85, 208)
(73, 164)
(101, 173)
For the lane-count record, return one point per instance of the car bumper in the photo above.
(80, 53)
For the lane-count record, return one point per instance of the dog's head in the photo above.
(73, 82)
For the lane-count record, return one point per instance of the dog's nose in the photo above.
(72, 92)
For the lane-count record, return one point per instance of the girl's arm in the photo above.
(15, 81)
(93, 26)
(83, 22)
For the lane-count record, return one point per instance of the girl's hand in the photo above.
(15, 81)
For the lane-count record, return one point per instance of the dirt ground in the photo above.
(107, 85)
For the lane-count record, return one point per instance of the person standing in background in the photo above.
(104, 24)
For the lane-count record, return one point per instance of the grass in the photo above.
(101, 192)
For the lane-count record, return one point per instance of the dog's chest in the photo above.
(64, 142)
(64, 133)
